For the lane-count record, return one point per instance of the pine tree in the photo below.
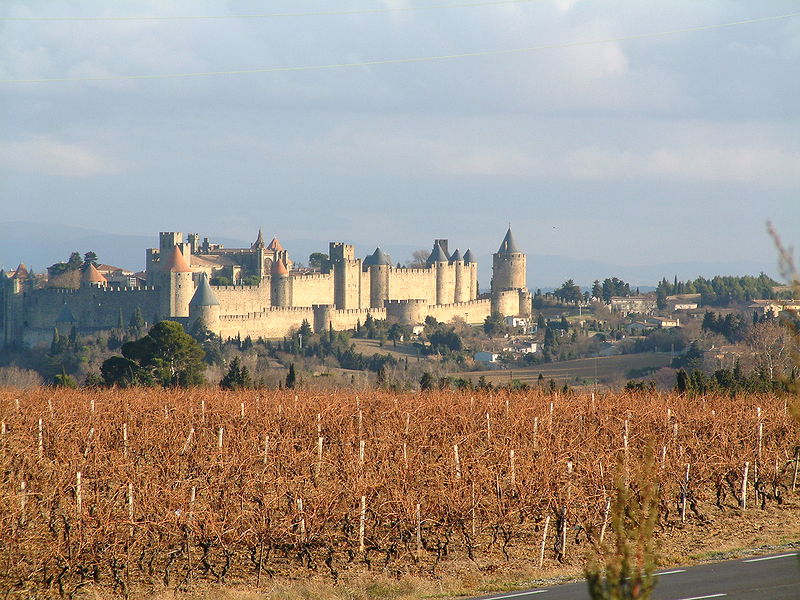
(291, 377)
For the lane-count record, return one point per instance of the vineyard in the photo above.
(144, 489)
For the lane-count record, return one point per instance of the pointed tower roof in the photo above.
(175, 262)
(469, 257)
(379, 257)
(204, 295)
(259, 243)
(275, 245)
(509, 244)
(278, 268)
(437, 255)
(90, 274)
(21, 272)
(65, 316)
(456, 256)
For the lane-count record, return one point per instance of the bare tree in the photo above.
(773, 346)
(419, 259)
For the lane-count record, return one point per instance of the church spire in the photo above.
(259, 243)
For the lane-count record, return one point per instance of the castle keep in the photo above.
(267, 297)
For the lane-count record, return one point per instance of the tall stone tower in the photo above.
(346, 275)
(438, 260)
(279, 281)
(177, 287)
(379, 268)
(510, 295)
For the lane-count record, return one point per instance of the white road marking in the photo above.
(517, 594)
(703, 597)
(770, 557)
(671, 572)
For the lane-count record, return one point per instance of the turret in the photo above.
(462, 278)
(346, 276)
(204, 306)
(471, 265)
(439, 261)
(509, 288)
(379, 267)
(177, 287)
(91, 277)
(279, 281)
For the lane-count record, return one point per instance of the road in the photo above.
(775, 577)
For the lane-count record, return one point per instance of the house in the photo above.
(774, 307)
(663, 322)
(486, 357)
(683, 302)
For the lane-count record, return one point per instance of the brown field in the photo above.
(181, 490)
(604, 368)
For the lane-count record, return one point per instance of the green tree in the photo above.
(291, 377)
(167, 354)
(597, 289)
(237, 377)
(318, 260)
(75, 261)
(494, 324)
(569, 292)
(305, 329)
(90, 258)
(427, 382)
(64, 380)
(136, 324)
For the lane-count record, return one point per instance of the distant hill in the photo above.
(41, 245)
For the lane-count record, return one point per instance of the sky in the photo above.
(604, 140)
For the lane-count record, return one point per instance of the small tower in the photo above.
(462, 278)
(177, 287)
(204, 306)
(379, 265)
(91, 277)
(439, 261)
(471, 266)
(279, 276)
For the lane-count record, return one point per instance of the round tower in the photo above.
(91, 277)
(279, 283)
(461, 284)
(177, 287)
(508, 267)
(379, 267)
(471, 267)
(439, 261)
(204, 306)
(407, 312)
(323, 315)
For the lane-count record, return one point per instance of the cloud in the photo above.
(46, 156)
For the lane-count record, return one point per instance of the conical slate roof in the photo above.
(259, 243)
(204, 295)
(456, 256)
(176, 262)
(509, 244)
(437, 255)
(469, 257)
(278, 268)
(21, 272)
(65, 316)
(379, 257)
(90, 274)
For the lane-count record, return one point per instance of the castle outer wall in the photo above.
(340, 296)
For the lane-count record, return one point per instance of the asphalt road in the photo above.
(775, 577)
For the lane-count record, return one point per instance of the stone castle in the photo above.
(267, 297)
